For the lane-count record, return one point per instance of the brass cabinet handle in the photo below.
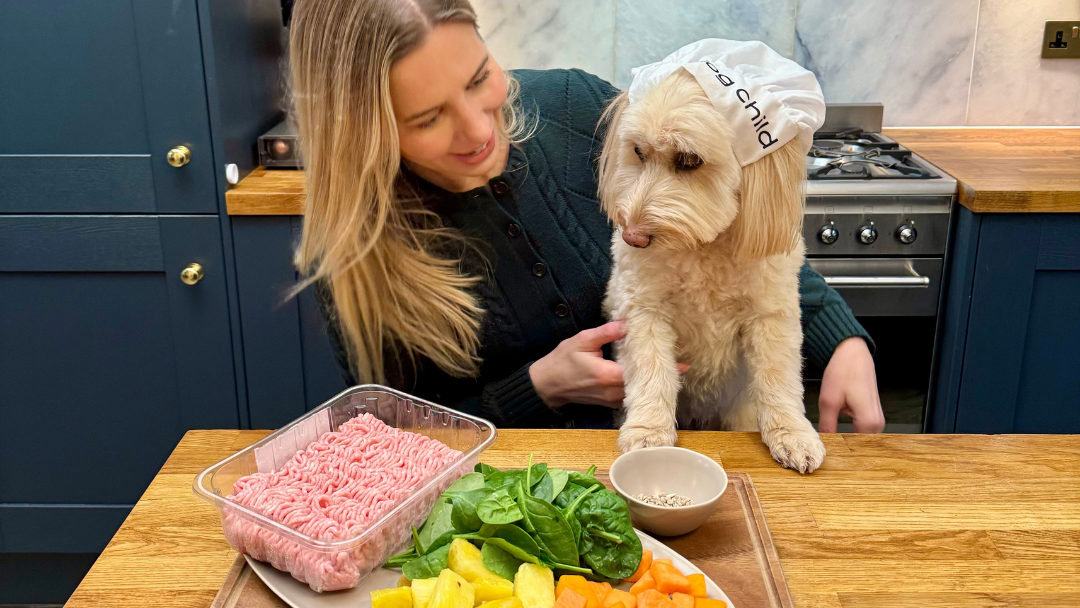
(192, 274)
(179, 156)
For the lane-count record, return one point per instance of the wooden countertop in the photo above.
(1005, 170)
(889, 520)
(999, 170)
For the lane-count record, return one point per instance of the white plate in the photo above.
(299, 595)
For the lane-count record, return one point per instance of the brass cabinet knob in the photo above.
(192, 274)
(179, 156)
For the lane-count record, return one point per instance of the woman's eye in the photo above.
(687, 161)
(640, 154)
(427, 123)
(479, 81)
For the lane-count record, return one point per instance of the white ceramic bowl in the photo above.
(662, 471)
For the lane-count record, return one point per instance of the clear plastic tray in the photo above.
(344, 561)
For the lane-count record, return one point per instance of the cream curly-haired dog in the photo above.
(707, 256)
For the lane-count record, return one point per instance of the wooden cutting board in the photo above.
(733, 548)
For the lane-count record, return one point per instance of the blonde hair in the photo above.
(388, 262)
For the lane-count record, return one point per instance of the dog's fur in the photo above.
(717, 284)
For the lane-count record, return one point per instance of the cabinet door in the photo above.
(94, 95)
(1021, 363)
(106, 359)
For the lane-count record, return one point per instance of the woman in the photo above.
(452, 226)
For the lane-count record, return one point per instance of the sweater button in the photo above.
(561, 310)
(513, 230)
(539, 269)
(500, 187)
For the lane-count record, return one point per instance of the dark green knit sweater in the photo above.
(547, 245)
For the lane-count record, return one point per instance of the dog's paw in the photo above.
(800, 450)
(635, 437)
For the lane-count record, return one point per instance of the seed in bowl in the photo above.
(665, 500)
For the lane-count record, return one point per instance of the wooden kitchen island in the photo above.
(919, 521)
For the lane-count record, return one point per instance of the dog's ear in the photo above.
(609, 156)
(771, 204)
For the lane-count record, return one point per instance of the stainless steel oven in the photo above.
(877, 228)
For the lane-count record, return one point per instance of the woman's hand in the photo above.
(849, 386)
(576, 371)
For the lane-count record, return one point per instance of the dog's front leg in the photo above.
(772, 348)
(647, 355)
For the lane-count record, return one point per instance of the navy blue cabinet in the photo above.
(106, 356)
(1010, 358)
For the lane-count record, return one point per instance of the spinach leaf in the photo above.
(559, 478)
(466, 483)
(513, 550)
(553, 535)
(399, 559)
(544, 489)
(438, 530)
(614, 550)
(486, 469)
(498, 508)
(427, 566)
(567, 496)
(505, 479)
(536, 472)
(463, 514)
(569, 511)
(499, 561)
(584, 480)
(518, 538)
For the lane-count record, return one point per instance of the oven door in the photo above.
(896, 300)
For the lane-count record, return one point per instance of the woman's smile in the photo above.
(478, 155)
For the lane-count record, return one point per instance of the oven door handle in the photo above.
(913, 281)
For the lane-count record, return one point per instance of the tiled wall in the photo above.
(931, 62)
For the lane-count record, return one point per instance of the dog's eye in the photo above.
(687, 161)
(640, 154)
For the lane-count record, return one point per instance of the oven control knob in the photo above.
(829, 234)
(907, 234)
(867, 234)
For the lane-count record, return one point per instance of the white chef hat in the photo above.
(768, 99)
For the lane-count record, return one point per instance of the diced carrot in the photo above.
(644, 583)
(619, 605)
(697, 585)
(704, 602)
(618, 596)
(668, 578)
(651, 598)
(646, 563)
(570, 599)
(579, 584)
(682, 600)
(601, 590)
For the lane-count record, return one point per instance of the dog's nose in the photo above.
(635, 237)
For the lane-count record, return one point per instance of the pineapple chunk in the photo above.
(465, 559)
(509, 602)
(534, 586)
(403, 581)
(489, 589)
(451, 591)
(398, 597)
(422, 588)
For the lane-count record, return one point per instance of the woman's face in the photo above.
(447, 95)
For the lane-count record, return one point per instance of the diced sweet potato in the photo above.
(646, 563)
(601, 590)
(664, 561)
(704, 602)
(645, 582)
(682, 600)
(668, 578)
(579, 584)
(697, 585)
(651, 598)
(569, 598)
(618, 596)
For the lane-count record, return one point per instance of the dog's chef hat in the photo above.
(768, 99)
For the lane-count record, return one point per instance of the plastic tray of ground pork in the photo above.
(329, 497)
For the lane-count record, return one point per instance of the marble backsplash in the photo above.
(930, 62)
